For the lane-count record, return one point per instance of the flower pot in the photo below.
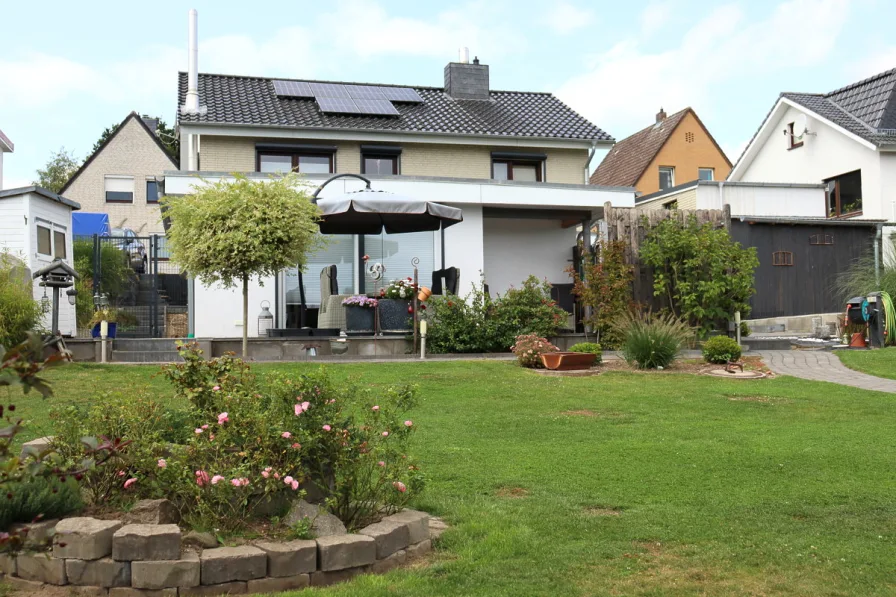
(95, 332)
(394, 316)
(360, 321)
(568, 361)
(424, 294)
(339, 346)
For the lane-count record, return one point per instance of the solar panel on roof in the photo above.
(337, 105)
(402, 94)
(379, 107)
(329, 90)
(368, 92)
(292, 88)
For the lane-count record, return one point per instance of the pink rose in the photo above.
(408, 423)
(297, 446)
(197, 431)
(385, 434)
(217, 479)
(223, 418)
(286, 435)
(327, 427)
(205, 427)
(121, 473)
(381, 463)
(216, 389)
(287, 480)
(235, 482)
(265, 474)
(294, 484)
(277, 476)
(375, 408)
(129, 482)
(306, 405)
(211, 437)
(244, 481)
(201, 478)
(162, 463)
(401, 487)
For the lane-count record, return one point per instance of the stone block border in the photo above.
(113, 559)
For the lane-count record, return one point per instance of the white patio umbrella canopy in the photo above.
(370, 212)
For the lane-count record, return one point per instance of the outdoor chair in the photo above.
(445, 280)
(332, 312)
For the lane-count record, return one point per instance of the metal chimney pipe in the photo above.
(192, 101)
(464, 55)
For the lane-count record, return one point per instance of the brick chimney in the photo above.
(467, 81)
(661, 115)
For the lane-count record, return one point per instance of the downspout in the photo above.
(588, 161)
(721, 193)
(877, 238)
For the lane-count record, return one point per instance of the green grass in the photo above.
(626, 483)
(881, 363)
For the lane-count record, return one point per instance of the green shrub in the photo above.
(720, 350)
(19, 312)
(38, 496)
(745, 329)
(116, 276)
(605, 285)
(529, 348)
(205, 382)
(589, 347)
(652, 340)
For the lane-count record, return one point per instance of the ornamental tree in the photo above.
(230, 230)
(606, 287)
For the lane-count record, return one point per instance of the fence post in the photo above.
(153, 267)
(96, 265)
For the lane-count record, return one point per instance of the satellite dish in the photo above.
(800, 127)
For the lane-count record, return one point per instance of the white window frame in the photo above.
(712, 174)
(671, 170)
(119, 183)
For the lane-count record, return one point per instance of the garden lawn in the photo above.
(881, 363)
(625, 484)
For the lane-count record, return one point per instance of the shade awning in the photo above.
(370, 212)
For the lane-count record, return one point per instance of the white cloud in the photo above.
(879, 61)
(655, 17)
(34, 80)
(564, 17)
(625, 86)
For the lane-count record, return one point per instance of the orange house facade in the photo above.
(675, 150)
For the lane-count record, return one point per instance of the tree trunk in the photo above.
(245, 317)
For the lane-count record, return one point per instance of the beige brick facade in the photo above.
(131, 152)
(237, 154)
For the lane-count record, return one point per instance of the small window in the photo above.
(845, 195)
(119, 189)
(525, 170)
(667, 177)
(794, 140)
(782, 258)
(152, 191)
(44, 241)
(671, 205)
(821, 239)
(380, 164)
(706, 173)
(296, 162)
(59, 245)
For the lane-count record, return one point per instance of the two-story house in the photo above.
(844, 139)
(672, 151)
(6, 146)
(515, 162)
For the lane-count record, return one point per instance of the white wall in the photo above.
(764, 200)
(1, 170)
(518, 248)
(42, 210)
(218, 312)
(12, 225)
(826, 154)
(464, 248)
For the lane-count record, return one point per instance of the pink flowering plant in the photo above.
(204, 381)
(529, 348)
(360, 301)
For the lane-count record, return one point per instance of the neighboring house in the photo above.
(36, 224)
(6, 146)
(674, 150)
(744, 198)
(845, 139)
(515, 162)
(122, 177)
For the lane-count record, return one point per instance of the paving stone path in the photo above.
(822, 366)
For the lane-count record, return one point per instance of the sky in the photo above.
(70, 69)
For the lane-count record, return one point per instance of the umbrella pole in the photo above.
(416, 306)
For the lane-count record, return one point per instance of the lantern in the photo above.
(71, 293)
(265, 319)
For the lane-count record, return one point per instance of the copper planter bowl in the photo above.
(568, 361)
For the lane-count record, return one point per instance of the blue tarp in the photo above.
(87, 224)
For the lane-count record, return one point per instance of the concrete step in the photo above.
(145, 344)
(146, 356)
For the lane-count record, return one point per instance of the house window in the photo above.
(821, 239)
(794, 140)
(667, 177)
(844, 194)
(304, 163)
(671, 205)
(59, 245)
(782, 258)
(44, 241)
(706, 173)
(119, 189)
(529, 170)
(152, 191)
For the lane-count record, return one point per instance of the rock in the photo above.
(135, 542)
(277, 585)
(41, 567)
(84, 538)
(417, 523)
(37, 446)
(104, 572)
(323, 524)
(389, 537)
(419, 549)
(152, 512)
(7, 564)
(225, 564)
(28, 586)
(338, 552)
(166, 573)
(228, 588)
(131, 592)
(437, 526)
(325, 578)
(85, 591)
(390, 563)
(36, 534)
(289, 559)
(201, 539)
(313, 493)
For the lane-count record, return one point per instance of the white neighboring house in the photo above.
(36, 225)
(765, 199)
(6, 146)
(845, 139)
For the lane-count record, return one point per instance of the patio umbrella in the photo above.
(370, 212)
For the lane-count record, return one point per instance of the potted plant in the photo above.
(360, 315)
(395, 307)
(114, 317)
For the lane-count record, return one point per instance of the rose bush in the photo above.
(529, 348)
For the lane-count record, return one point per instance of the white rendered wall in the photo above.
(464, 248)
(518, 248)
(12, 227)
(763, 200)
(218, 311)
(60, 216)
